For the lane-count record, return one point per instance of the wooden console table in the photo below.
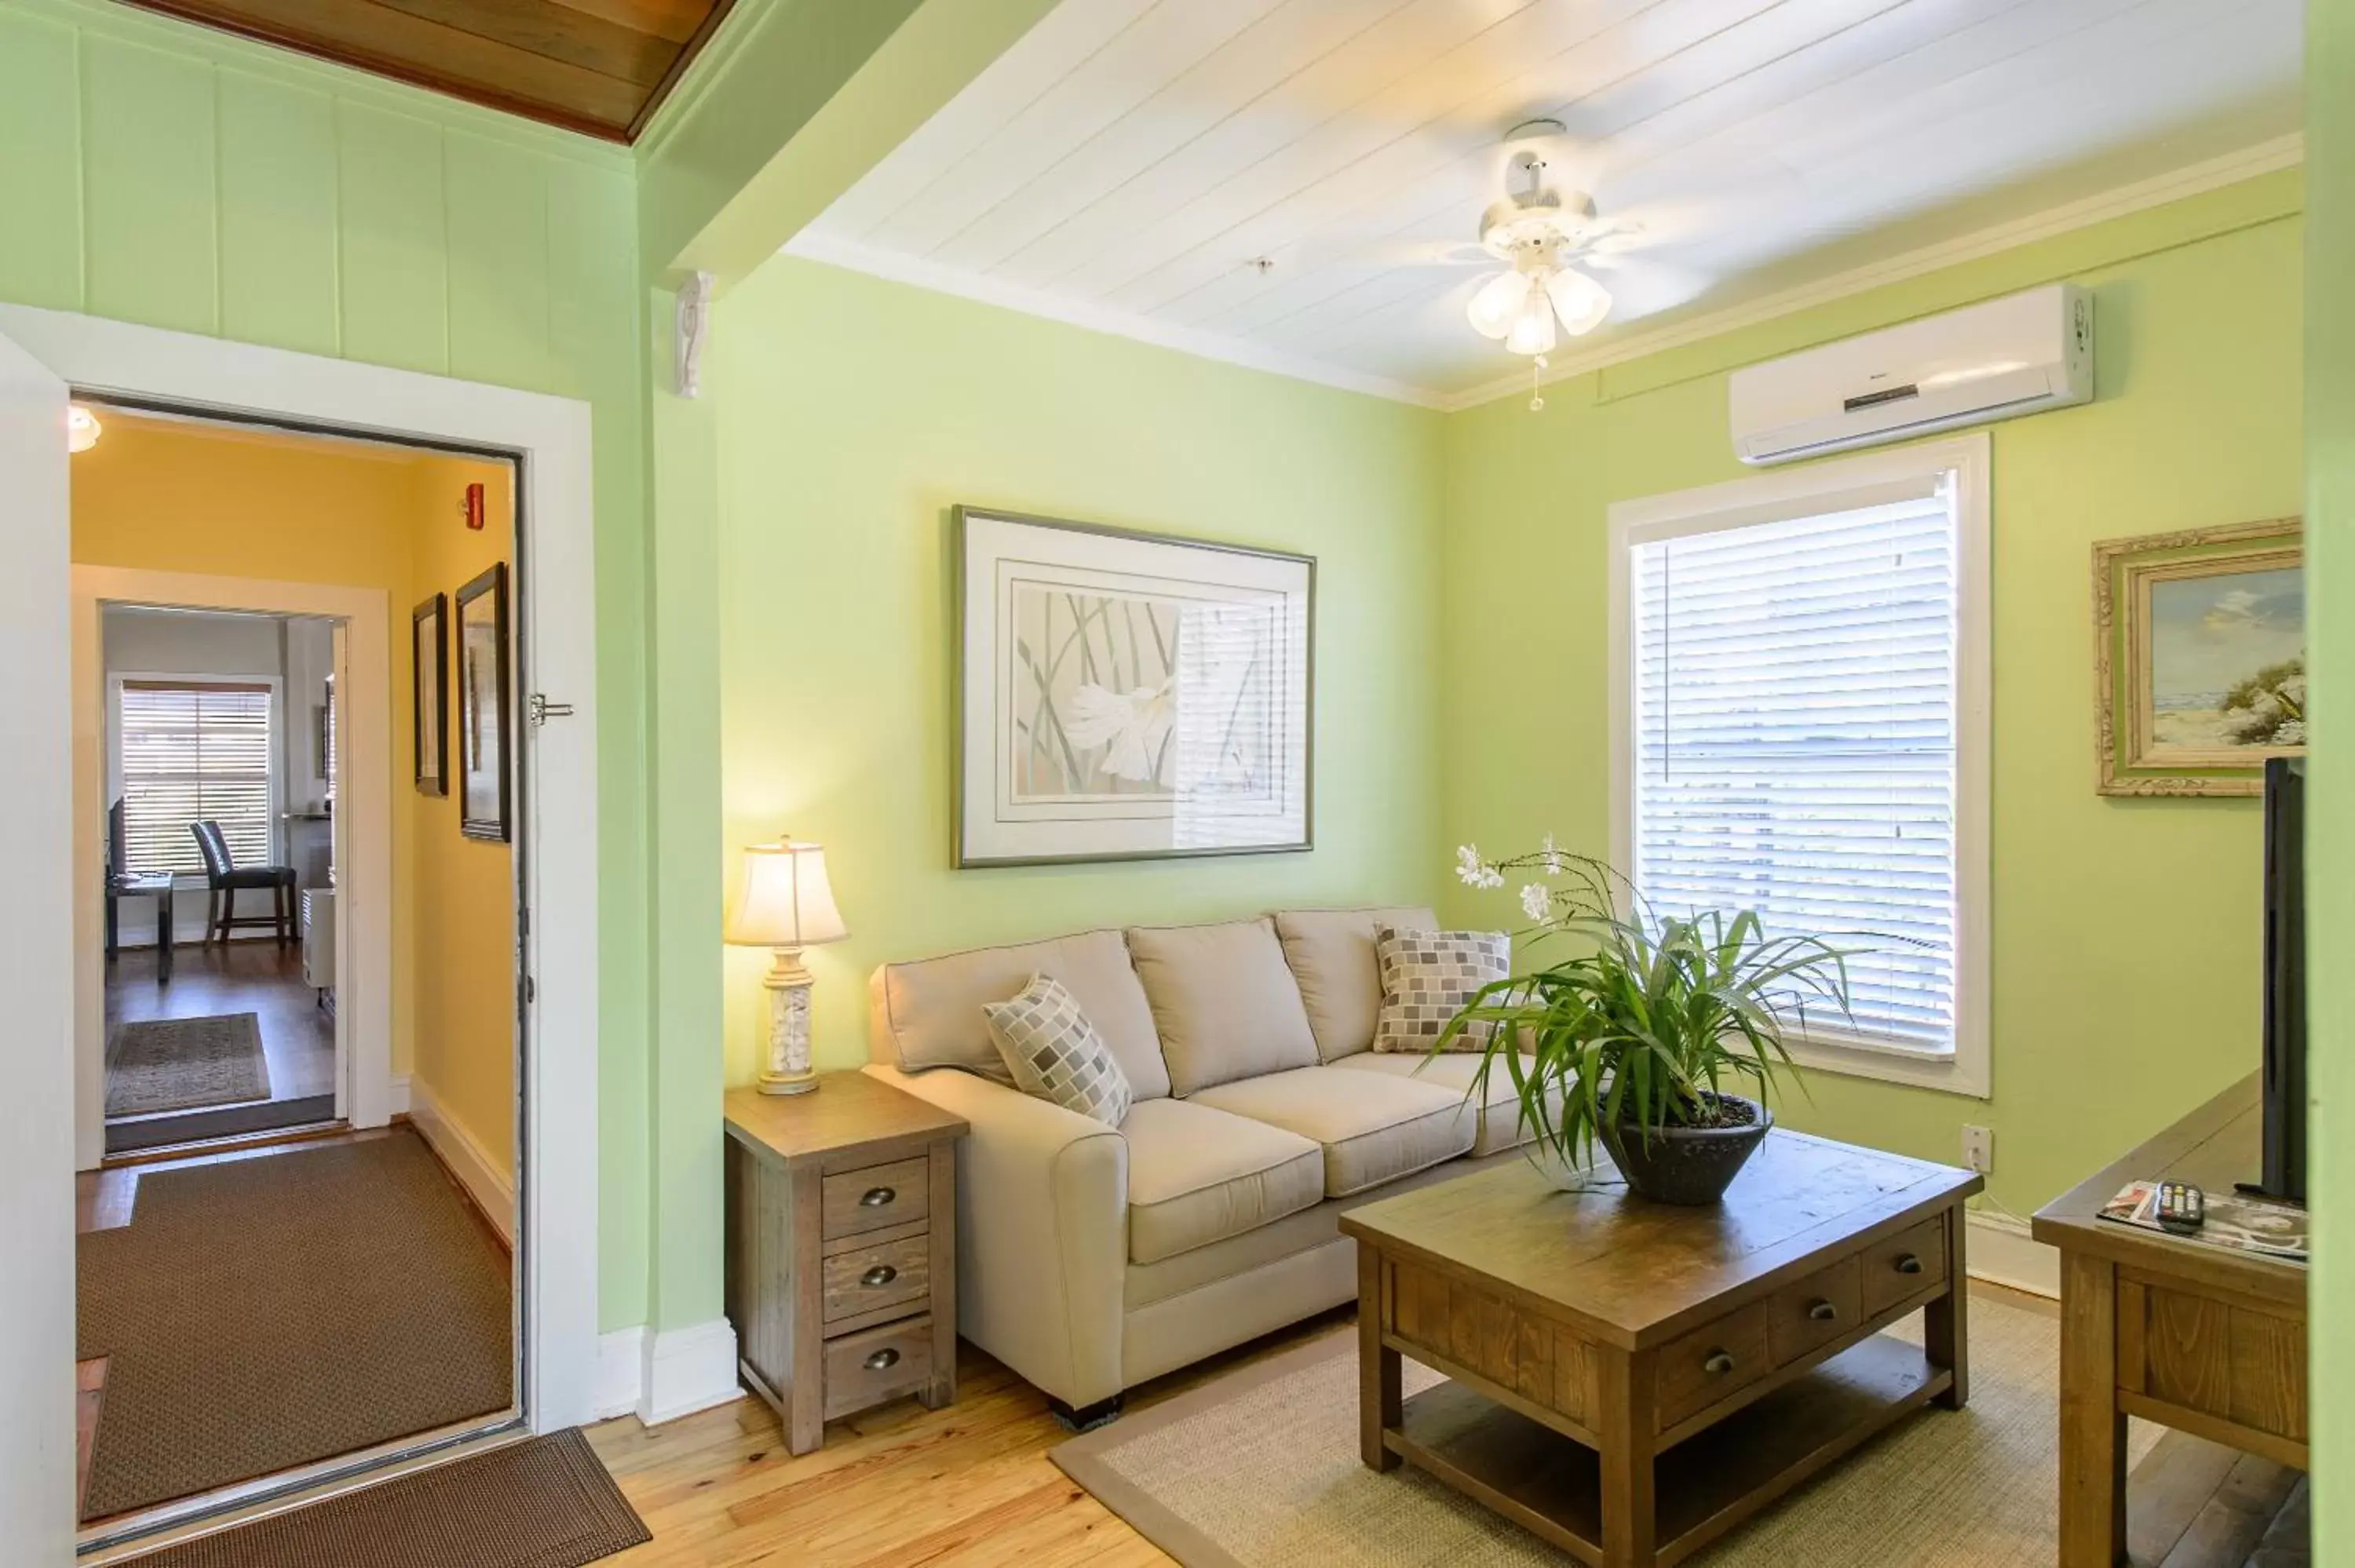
(1628, 1379)
(841, 1250)
(2202, 1339)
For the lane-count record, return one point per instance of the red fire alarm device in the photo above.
(477, 511)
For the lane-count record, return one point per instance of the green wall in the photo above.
(180, 179)
(2330, 844)
(2126, 958)
(853, 414)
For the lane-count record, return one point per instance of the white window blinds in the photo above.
(191, 750)
(1795, 745)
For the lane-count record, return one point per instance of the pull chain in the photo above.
(1536, 395)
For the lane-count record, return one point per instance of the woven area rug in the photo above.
(266, 1313)
(172, 1063)
(545, 1504)
(1259, 1469)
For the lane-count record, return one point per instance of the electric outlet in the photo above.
(1979, 1149)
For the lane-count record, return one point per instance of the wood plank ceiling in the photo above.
(1292, 183)
(599, 67)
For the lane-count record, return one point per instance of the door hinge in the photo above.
(542, 710)
(530, 991)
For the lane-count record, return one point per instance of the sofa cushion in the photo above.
(1223, 1000)
(1331, 953)
(1496, 1123)
(1198, 1175)
(1372, 1127)
(928, 1014)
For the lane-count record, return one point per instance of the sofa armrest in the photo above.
(1042, 1232)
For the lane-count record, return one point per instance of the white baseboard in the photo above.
(621, 1372)
(492, 1186)
(396, 1091)
(687, 1370)
(2003, 1252)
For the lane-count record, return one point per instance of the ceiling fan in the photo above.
(1539, 231)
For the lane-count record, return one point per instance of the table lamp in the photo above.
(786, 904)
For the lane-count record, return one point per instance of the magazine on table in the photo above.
(2235, 1219)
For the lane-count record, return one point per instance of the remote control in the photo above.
(2182, 1208)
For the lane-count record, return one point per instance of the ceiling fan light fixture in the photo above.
(1577, 300)
(1499, 301)
(1532, 330)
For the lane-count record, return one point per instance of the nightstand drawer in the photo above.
(881, 1195)
(869, 1279)
(1711, 1363)
(1906, 1263)
(869, 1368)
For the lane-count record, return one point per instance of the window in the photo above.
(1803, 733)
(186, 750)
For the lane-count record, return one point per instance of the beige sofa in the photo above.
(1090, 1259)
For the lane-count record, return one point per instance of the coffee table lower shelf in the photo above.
(1552, 1486)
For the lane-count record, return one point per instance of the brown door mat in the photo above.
(544, 1503)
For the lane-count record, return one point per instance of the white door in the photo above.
(36, 958)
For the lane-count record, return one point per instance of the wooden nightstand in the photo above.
(842, 1249)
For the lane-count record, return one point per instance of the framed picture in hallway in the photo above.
(429, 693)
(483, 720)
(1126, 696)
(2199, 658)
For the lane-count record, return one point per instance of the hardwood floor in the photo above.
(902, 1487)
(298, 1037)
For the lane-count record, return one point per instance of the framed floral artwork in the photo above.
(2199, 658)
(1126, 696)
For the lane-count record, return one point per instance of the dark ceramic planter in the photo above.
(1688, 1165)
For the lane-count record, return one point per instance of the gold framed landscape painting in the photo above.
(2199, 657)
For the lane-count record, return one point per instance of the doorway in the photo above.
(43, 353)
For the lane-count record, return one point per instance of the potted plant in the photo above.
(1634, 1036)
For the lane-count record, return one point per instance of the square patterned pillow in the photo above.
(1427, 976)
(1056, 1054)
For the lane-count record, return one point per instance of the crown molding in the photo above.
(810, 244)
(2193, 179)
(2177, 185)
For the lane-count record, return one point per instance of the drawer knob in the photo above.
(881, 1274)
(1824, 1312)
(1719, 1362)
(1909, 1264)
(875, 1197)
(886, 1357)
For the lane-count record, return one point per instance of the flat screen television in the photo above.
(2285, 1016)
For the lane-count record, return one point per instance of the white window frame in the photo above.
(1816, 489)
(275, 822)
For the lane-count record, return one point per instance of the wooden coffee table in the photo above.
(1630, 1380)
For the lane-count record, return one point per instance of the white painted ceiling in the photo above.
(1129, 162)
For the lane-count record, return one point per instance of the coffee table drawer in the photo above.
(1710, 1364)
(1906, 1263)
(879, 1195)
(1814, 1311)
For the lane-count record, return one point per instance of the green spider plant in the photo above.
(1642, 1025)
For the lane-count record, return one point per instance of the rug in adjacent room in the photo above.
(174, 1063)
(269, 1312)
(544, 1503)
(1259, 1469)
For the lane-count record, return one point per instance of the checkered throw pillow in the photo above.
(1427, 976)
(1056, 1054)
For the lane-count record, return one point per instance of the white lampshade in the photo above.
(82, 429)
(787, 901)
(1499, 301)
(1533, 330)
(1577, 300)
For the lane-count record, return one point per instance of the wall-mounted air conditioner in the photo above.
(2019, 354)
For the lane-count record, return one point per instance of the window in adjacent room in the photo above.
(1803, 732)
(189, 749)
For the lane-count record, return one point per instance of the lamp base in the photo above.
(788, 1083)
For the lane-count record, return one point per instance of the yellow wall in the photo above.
(160, 496)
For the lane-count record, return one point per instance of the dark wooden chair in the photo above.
(228, 879)
(122, 883)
